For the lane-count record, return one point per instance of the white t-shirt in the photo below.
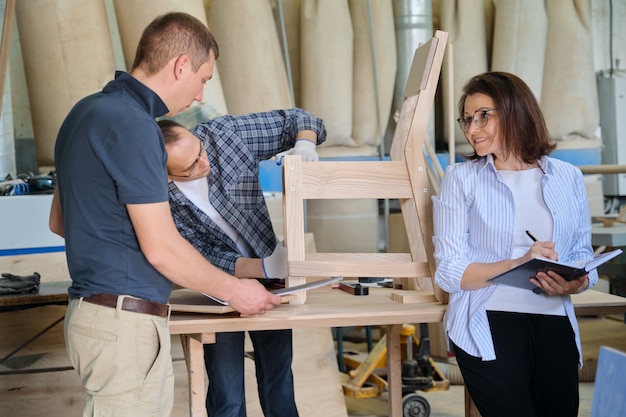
(198, 192)
(532, 214)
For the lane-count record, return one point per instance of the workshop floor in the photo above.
(445, 403)
(595, 332)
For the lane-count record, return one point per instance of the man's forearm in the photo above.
(307, 135)
(249, 268)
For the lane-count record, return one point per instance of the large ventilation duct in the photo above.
(7, 147)
(414, 26)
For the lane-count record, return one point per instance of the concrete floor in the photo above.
(450, 403)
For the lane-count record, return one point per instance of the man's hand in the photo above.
(303, 147)
(251, 298)
(275, 265)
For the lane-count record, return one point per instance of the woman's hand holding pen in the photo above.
(550, 282)
(541, 249)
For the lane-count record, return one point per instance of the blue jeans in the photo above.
(224, 361)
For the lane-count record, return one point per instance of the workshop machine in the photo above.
(367, 376)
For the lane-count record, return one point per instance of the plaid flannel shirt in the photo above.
(235, 145)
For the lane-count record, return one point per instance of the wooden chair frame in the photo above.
(405, 177)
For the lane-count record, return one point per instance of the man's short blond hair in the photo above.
(171, 35)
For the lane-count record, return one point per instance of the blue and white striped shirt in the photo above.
(474, 221)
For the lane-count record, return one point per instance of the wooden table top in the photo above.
(595, 303)
(323, 308)
(336, 308)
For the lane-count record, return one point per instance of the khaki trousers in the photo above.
(123, 359)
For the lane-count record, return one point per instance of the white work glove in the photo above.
(304, 148)
(275, 265)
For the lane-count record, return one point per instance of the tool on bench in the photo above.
(354, 288)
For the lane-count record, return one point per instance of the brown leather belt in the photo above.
(130, 304)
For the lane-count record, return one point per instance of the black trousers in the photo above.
(535, 373)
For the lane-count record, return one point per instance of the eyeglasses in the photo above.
(481, 120)
(193, 166)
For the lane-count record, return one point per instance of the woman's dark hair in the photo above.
(521, 123)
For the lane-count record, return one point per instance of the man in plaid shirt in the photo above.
(217, 204)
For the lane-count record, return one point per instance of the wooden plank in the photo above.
(470, 407)
(196, 376)
(420, 73)
(354, 269)
(283, 310)
(369, 364)
(359, 265)
(341, 179)
(360, 257)
(594, 303)
(413, 296)
(394, 369)
(419, 219)
(325, 308)
(293, 220)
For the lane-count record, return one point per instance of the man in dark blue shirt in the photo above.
(123, 250)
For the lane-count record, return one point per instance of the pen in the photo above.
(536, 290)
(530, 235)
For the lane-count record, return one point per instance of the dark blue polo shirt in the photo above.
(109, 153)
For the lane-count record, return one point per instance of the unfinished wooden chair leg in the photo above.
(394, 369)
(470, 407)
(193, 350)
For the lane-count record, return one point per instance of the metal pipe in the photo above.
(381, 148)
(603, 169)
(414, 26)
(283, 34)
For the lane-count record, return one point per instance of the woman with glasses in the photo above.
(518, 350)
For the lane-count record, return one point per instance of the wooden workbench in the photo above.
(49, 293)
(597, 303)
(330, 308)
